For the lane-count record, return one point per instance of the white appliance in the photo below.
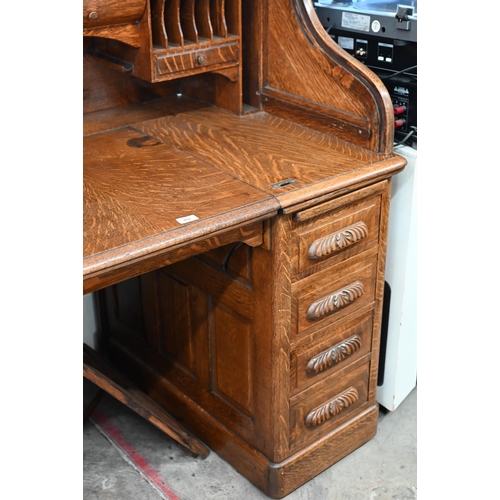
(400, 367)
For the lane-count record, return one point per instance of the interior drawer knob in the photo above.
(331, 408)
(334, 355)
(112, 12)
(335, 301)
(338, 240)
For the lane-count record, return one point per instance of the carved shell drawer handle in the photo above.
(335, 301)
(334, 355)
(331, 408)
(338, 240)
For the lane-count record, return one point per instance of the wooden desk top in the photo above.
(147, 166)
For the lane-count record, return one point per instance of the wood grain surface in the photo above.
(135, 189)
(107, 12)
(263, 150)
(242, 129)
(100, 372)
(180, 158)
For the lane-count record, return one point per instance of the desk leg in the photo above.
(107, 378)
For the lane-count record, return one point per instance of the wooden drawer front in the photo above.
(107, 12)
(338, 348)
(340, 234)
(326, 297)
(171, 64)
(328, 404)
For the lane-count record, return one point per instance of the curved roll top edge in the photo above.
(339, 80)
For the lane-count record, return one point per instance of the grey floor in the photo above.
(127, 458)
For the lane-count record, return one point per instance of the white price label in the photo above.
(188, 218)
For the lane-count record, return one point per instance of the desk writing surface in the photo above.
(264, 150)
(147, 168)
(136, 189)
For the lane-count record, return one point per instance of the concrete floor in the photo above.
(127, 458)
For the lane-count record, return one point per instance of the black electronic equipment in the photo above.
(383, 36)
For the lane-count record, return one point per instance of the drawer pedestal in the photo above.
(268, 354)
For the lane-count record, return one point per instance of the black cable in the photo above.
(329, 28)
(398, 73)
(405, 138)
(229, 254)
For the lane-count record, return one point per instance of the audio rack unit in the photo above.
(383, 36)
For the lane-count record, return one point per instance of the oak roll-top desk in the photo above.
(237, 172)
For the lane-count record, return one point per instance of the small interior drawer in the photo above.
(326, 297)
(168, 63)
(339, 347)
(109, 12)
(328, 404)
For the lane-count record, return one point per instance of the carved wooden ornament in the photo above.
(332, 407)
(338, 240)
(334, 355)
(335, 301)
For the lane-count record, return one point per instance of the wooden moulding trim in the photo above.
(125, 262)
(160, 76)
(315, 207)
(323, 453)
(348, 127)
(291, 201)
(125, 33)
(174, 238)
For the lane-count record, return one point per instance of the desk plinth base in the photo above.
(275, 479)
